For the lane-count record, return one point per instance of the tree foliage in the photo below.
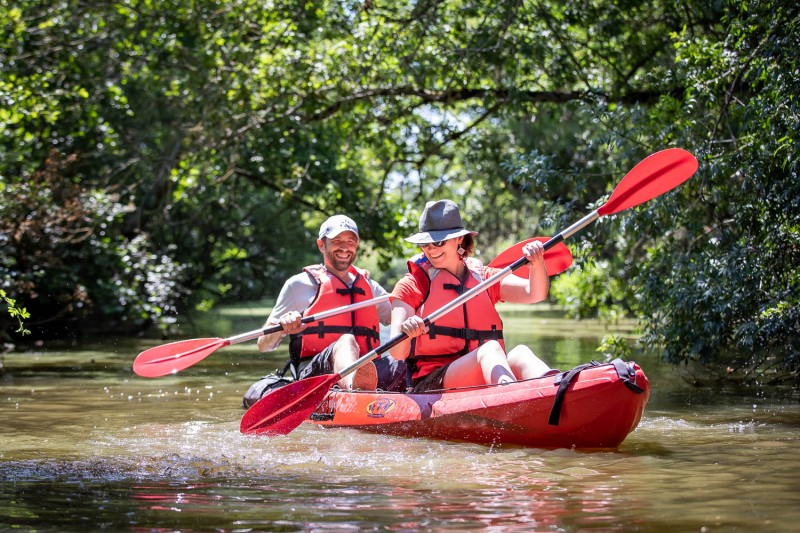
(158, 156)
(732, 286)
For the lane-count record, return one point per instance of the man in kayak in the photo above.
(330, 345)
(465, 346)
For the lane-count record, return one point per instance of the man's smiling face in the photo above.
(339, 252)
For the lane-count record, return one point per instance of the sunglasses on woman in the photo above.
(437, 244)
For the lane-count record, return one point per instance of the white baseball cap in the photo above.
(336, 225)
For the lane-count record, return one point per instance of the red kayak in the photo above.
(591, 406)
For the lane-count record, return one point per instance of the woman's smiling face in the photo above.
(445, 255)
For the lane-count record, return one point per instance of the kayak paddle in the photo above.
(171, 358)
(556, 259)
(175, 356)
(282, 410)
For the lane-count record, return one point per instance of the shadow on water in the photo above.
(87, 445)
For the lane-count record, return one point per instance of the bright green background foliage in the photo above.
(158, 157)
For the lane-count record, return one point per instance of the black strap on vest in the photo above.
(469, 334)
(460, 288)
(352, 291)
(320, 329)
(625, 371)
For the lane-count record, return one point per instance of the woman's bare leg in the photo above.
(525, 364)
(485, 364)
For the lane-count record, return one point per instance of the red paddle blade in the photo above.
(170, 358)
(653, 176)
(557, 259)
(282, 410)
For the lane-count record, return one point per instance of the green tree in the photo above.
(732, 286)
(710, 269)
(164, 155)
(209, 138)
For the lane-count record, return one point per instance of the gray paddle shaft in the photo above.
(312, 318)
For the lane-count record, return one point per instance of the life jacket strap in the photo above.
(466, 333)
(351, 291)
(320, 329)
(460, 288)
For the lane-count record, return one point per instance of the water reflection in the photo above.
(91, 446)
(496, 493)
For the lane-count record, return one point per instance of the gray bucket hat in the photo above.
(441, 220)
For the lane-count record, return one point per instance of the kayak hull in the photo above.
(597, 408)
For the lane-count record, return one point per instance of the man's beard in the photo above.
(340, 264)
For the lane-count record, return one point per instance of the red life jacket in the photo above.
(461, 330)
(331, 293)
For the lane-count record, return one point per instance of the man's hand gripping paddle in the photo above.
(173, 357)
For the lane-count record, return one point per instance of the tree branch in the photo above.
(500, 94)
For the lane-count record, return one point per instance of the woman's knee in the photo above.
(490, 350)
(525, 363)
(521, 353)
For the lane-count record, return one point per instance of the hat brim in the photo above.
(338, 231)
(425, 237)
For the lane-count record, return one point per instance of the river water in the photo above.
(86, 445)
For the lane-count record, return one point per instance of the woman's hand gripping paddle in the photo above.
(282, 410)
(175, 356)
(556, 259)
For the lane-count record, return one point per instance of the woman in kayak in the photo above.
(465, 346)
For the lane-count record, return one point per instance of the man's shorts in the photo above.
(391, 372)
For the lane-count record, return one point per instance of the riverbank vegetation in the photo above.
(159, 158)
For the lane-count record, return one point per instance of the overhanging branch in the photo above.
(500, 94)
